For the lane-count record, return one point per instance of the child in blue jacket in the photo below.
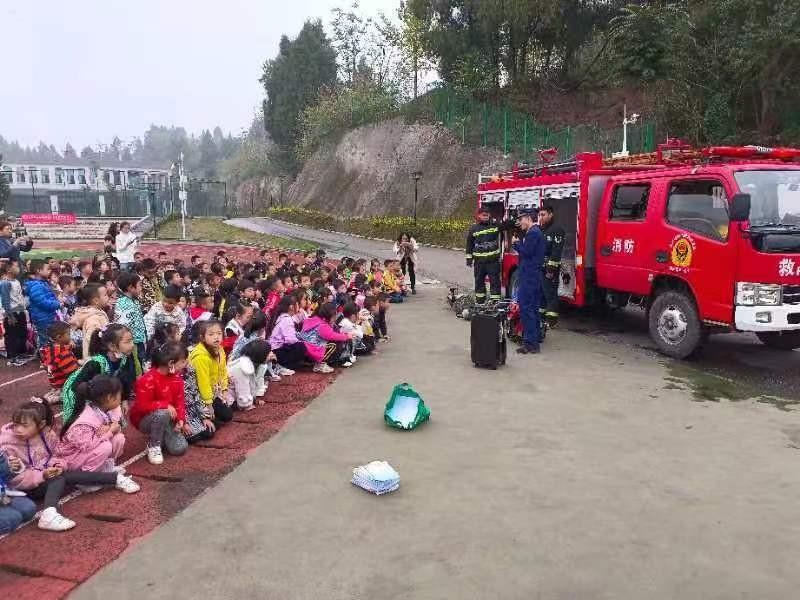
(15, 507)
(42, 302)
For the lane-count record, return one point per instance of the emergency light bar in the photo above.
(751, 152)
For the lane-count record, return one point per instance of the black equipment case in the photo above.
(488, 338)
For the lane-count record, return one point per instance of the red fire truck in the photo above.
(706, 241)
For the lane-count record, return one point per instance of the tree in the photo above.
(69, 152)
(208, 155)
(412, 42)
(349, 33)
(292, 81)
(5, 192)
(87, 153)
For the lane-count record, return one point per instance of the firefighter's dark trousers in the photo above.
(550, 301)
(482, 270)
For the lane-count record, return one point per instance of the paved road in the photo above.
(732, 366)
(582, 473)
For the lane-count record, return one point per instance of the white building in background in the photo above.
(78, 174)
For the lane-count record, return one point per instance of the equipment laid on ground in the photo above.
(377, 477)
(705, 241)
(405, 408)
(488, 335)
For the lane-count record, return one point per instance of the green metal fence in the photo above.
(519, 134)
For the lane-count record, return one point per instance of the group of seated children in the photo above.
(173, 350)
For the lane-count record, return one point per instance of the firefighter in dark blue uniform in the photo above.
(553, 247)
(483, 254)
(531, 257)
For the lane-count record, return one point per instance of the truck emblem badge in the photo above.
(682, 252)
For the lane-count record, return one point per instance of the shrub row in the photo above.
(441, 232)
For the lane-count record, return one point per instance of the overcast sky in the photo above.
(86, 70)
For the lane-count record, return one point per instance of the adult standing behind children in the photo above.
(126, 243)
(405, 248)
(10, 247)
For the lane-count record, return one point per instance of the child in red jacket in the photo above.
(160, 407)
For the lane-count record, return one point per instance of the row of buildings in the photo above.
(78, 174)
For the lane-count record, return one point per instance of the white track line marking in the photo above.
(24, 377)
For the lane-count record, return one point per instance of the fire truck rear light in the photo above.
(763, 317)
(579, 260)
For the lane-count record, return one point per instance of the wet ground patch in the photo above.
(709, 387)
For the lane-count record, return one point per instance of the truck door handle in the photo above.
(661, 256)
(605, 250)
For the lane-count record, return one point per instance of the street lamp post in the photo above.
(417, 175)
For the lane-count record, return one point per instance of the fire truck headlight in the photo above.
(758, 294)
(768, 295)
(746, 294)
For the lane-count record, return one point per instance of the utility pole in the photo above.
(182, 195)
(417, 175)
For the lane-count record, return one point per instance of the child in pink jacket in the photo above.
(31, 447)
(323, 343)
(91, 440)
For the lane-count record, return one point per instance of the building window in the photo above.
(34, 173)
(20, 175)
(117, 177)
(70, 174)
(81, 176)
(629, 203)
(45, 175)
(700, 207)
(107, 177)
(59, 176)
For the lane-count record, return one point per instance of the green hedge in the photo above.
(441, 232)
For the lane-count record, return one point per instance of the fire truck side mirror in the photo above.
(740, 208)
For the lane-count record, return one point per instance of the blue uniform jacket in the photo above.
(531, 257)
(42, 302)
(8, 249)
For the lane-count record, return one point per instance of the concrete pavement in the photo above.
(582, 473)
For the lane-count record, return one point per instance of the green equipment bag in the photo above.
(405, 409)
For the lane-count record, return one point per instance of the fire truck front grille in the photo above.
(791, 294)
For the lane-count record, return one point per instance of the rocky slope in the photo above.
(367, 171)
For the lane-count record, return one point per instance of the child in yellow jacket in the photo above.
(205, 383)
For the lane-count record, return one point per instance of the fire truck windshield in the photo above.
(774, 197)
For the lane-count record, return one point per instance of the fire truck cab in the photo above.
(706, 241)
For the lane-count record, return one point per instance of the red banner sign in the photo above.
(48, 219)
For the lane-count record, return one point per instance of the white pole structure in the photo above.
(182, 197)
(625, 122)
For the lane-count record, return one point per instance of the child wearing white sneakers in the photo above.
(29, 440)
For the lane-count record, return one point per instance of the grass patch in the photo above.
(38, 254)
(202, 229)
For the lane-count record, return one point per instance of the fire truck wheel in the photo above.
(780, 340)
(674, 324)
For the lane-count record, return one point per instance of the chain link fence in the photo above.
(478, 123)
(205, 198)
(519, 134)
